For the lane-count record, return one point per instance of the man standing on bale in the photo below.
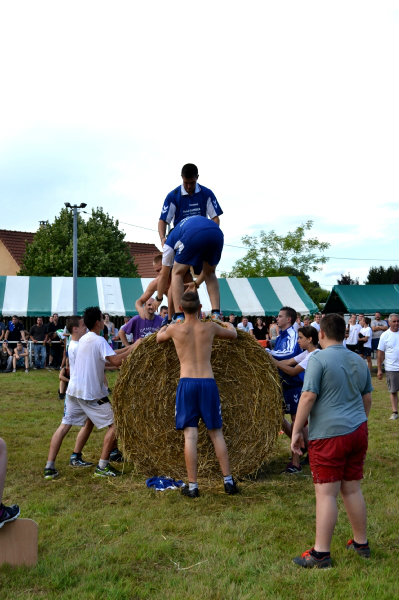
(187, 200)
(197, 394)
(388, 353)
(196, 242)
(336, 399)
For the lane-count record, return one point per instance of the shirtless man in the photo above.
(197, 393)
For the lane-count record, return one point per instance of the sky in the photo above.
(289, 110)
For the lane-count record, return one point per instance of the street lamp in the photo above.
(74, 208)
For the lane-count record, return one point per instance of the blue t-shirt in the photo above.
(339, 378)
(179, 205)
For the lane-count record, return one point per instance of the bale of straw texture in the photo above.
(144, 407)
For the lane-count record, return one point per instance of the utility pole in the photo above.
(74, 208)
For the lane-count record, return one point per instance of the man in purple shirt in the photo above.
(139, 327)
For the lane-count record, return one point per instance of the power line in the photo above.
(246, 248)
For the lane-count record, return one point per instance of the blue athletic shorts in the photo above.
(195, 399)
(200, 243)
(291, 399)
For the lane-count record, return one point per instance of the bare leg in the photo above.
(3, 466)
(355, 507)
(326, 514)
(369, 364)
(212, 285)
(56, 441)
(287, 427)
(190, 452)
(295, 457)
(394, 402)
(177, 284)
(109, 443)
(219, 444)
(83, 436)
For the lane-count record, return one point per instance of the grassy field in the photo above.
(119, 540)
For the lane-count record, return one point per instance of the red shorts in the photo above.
(339, 458)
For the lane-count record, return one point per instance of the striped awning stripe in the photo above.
(43, 296)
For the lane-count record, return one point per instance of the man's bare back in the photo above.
(193, 342)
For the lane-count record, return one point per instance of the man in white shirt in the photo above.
(86, 395)
(352, 334)
(388, 353)
(316, 322)
(246, 326)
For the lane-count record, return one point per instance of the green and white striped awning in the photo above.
(43, 296)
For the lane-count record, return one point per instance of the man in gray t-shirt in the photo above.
(336, 398)
(378, 326)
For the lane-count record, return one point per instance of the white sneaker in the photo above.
(393, 416)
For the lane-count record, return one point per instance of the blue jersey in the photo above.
(287, 347)
(178, 205)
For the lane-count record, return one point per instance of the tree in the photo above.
(347, 280)
(379, 275)
(102, 251)
(271, 255)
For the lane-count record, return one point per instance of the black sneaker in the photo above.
(190, 493)
(77, 461)
(231, 488)
(304, 461)
(308, 561)
(8, 513)
(50, 473)
(291, 469)
(61, 396)
(363, 550)
(107, 471)
(116, 456)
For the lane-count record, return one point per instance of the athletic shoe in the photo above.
(231, 488)
(190, 493)
(50, 473)
(308, 561)
(177, 319)
(8, 514)
(361, 550)
(217, 316)
(393, 416)
(26, 370)
(107, 471)
(116, 456)
(291, 469)
(61, 396)
(77, 461)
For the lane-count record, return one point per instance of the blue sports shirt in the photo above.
(178, 204)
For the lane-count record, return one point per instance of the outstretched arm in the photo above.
(151, 288)
(228, 332)
(165, 333)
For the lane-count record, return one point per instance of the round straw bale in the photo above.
(144, 407)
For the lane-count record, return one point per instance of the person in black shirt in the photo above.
(15, 331)
(260, 329)
(38, 335)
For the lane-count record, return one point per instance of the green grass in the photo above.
(118, 540)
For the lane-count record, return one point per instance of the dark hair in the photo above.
(91, 315)
(189, 171)
(310, 332)
(157, 258)
(368, 320)
(333, 326)
(71, 323)
(190, 302)
(290, 312)
(162, 307)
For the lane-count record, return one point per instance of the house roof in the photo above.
(15, 242)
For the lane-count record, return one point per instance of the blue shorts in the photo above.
(198, 398)
(200, 243)
(291, 399)
(20, 362)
